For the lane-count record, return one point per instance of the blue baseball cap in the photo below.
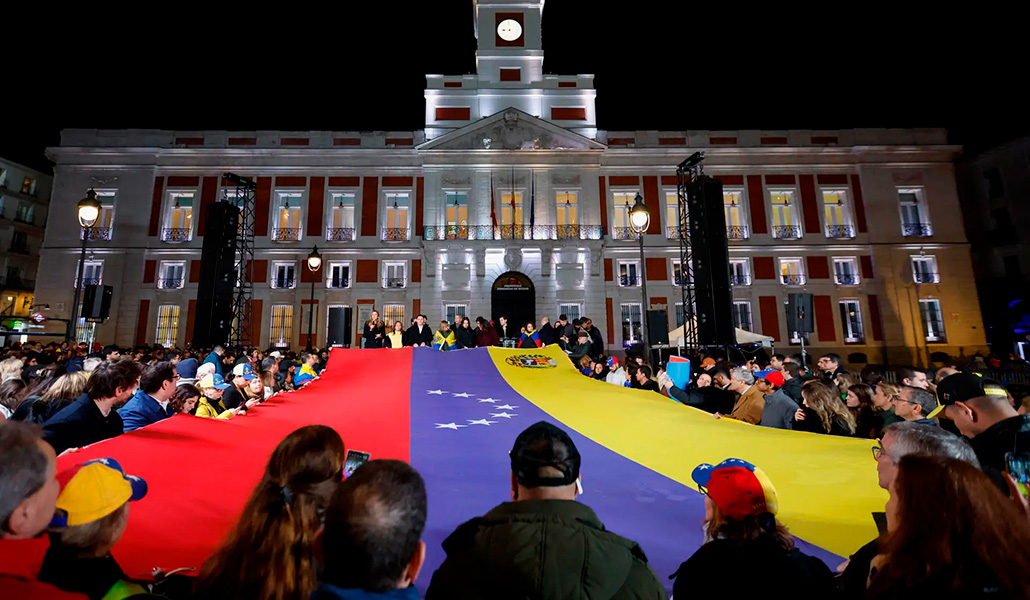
(243, 370)
(213, 381)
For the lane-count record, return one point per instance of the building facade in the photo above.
(24, 200)
(512, 201)
(994, 187)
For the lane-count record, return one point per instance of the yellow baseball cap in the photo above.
(93, 490)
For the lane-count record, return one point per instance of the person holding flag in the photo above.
(530, 337)
(444, 338)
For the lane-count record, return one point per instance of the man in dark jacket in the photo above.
(779, 407)
(504, 329)
(543, 544)
(565, 333)
(596, 340)
(582, 348)
(92, 417)
(792, 381)
(546, 332)
(486, 335)
(419, 334)
(150, 402)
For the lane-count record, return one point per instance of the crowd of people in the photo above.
(956, 525)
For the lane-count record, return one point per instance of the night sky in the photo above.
(724, 67)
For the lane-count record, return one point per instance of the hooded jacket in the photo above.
(617, 377)
(546, 549)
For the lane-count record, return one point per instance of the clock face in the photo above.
(509, 30)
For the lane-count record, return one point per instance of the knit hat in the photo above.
(187, 368)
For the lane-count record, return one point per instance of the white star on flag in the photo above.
(453, 426)
(503, 414)
(462, 395)
(490, 400)
(506, 407)
(480, 422)
(437, 392)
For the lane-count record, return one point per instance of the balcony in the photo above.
(170, 283)
(846, 278)
(786, 232)
(340, 234)
(392, 234)
(95, 234)
(338, 283)
(916, 230)
(793, 279)
(840, 232)
(628, 281)
(291, 234)
(679, 280)
(737, 232)
(394, 283)
(624, 233)
(91, 281)
(283, 283)
(511, 232)
(569, 232)
(736, 279)
(176, 234)
(672, 232)
(926, 277)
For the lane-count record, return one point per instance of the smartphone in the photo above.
(354, 460)
(1018, 464)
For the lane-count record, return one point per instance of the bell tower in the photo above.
(509, 46)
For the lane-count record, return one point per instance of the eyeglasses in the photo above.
(879, 451)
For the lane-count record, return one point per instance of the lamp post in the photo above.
(314, 264)
(639, 219)
(88, 212)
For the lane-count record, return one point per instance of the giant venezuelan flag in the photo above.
(454, 416)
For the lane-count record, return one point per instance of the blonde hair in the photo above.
(892, 390)
(844, 382)
(822, 398)
(11, 366)
(67, 387)
(89, 536)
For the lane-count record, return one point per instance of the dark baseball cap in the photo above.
(544, 445)
(963, 387)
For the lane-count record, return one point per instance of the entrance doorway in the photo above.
(513, 296)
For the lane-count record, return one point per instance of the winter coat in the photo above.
(216, 361)
(813, 424)
(487, 337)
(530, 340)
(792, 388)
(141, 410)
(444, 340)
(206, 407)
(547, 334)
(416, 337)
(748, 408)
(79, 424)
(779, 411)
(466, 338)
(370, 332)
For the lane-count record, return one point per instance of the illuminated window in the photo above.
(836, 215)
(629, 273)
(167, 325)
(791, 271)
(632, 322)
(341, 217)
(623, 201)
(915, 217)
(284, 275)
(179, 219)
(395, 274)
(397, 213)
(572, 310)
(851, 321)
(288, 216)
(457, 214)
(391, 314)
(453, 311)
(281, 328)
(933, 320)
(733, 206)
(672, 215)
(568, 215)
(338, 276)
(784, 214)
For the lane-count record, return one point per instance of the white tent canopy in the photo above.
(743, 337)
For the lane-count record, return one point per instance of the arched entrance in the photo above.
(514, 296)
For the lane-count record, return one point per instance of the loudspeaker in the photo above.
(800, 314)
(213, 322)
(339, 333)
(710, 258)
(658, 327)
(96, 302)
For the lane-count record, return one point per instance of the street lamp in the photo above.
(314, 264)
(639, 219)
(88, 213)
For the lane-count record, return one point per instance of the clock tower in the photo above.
(509, 73)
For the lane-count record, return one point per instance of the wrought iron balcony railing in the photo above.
(568, 232)
(737, 232)
(338, 283)
(927, 277)
(793, 279)
(680, 280)
(393, 283)
(287, 234)
(283, 283)
(393, 234)
(846, 278)
(511, 232)
(672, 232)
(916, 230)
(624, 233)
(628, 281)
(95, 233)
(740, 279)
(91, 281)
(175, 234)
(340, 234)
(840, 232)
(786, 232)
(169, 283)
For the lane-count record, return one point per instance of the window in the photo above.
(632, 322)
(784, 214)
(3, 177)
(742, 314)
(394, 275)
(845, 271)
(924, 269)
(733, 205)
(672, 215)
(284, 275)
(179, 221)
(391, 314)
(452, 311)
(791, 271)
(19, 242)
(281, 328)
(103, 226)
(995, 186)
(568, 215)
(167, 325)
(25, 214)
(572, 310)
(629, 273)
(396, 222)
(28, 186)
(621, 229)
(851, 321)
(740, 272)
(341, 218)
(92, 272)
(678, 276)
(457, 215)
(836, 216)
(933, 320)
(172, 275)
(288, 215)
(915, 218)
(338, 276)
(511, 216)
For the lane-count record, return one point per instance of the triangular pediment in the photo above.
(512, 129)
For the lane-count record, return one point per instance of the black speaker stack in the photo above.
(710, 258)
(96, 302)
(213, 321)
(800, 314)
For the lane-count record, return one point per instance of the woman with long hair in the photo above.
(395, 339)
(184, 399)
(10, 391)
(859, 400)
(823, 411)
(270, 554)
(465, 335)
(844, 381)
(39, 382)
(950, 534)
(66, 389)
(375, 331)
(747, 550)
(600, 370)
